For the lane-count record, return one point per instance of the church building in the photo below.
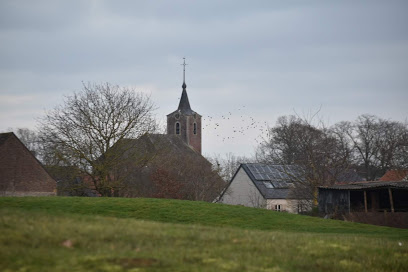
(169, 165)
(184, 122)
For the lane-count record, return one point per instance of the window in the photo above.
(177, 128)
(278, 208)
(195, 128)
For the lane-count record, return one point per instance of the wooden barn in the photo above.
(369, 196)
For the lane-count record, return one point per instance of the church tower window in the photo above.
(195, 128)
(177, 128)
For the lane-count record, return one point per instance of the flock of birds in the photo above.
(233, 125)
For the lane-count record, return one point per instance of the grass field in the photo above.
(116, 234)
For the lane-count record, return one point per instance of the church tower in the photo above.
(184, 122)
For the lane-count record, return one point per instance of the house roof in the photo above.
(4, 137)
(395, 175)
(278, 177)
(368, 185)
(10, 135)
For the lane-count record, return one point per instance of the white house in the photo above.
(265, 186)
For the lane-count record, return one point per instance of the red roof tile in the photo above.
(394, 175)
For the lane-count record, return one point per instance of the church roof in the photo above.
(159, 146)
(184, 105)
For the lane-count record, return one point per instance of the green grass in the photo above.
(116, 234)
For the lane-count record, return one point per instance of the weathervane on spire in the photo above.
(184, 70)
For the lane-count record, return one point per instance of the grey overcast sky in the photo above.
(255, 59)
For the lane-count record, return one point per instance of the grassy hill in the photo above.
(117, 234)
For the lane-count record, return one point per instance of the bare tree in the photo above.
(186, 177)
(227, 165)
(318, 153)
(377, 144)
(29, 138)
(82, 131)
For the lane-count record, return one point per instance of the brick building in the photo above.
(21, 174)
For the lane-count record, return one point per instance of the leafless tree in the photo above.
(30, 138)
(377, 144)
(227, 165)
(317, 151)
(82, 131)
(192, 175)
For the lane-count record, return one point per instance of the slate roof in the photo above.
(368, 185)
(184, 105)
(279, 176)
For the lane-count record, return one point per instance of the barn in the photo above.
(369, 196)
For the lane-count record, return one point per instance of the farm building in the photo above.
(21, 174)
(266, 186)
(371, 196)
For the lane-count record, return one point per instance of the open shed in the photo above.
(372, 196)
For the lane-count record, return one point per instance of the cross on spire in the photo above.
(184, 70)
(184, 104)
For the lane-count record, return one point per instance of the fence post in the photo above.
(365, 201)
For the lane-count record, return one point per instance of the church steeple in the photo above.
(184, 122)
(184, 105)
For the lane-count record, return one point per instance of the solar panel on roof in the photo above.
(281, 173)
(259, 177)
(256, 170)
(280, 184)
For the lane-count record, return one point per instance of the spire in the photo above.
(184, 74)
(184, 105)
